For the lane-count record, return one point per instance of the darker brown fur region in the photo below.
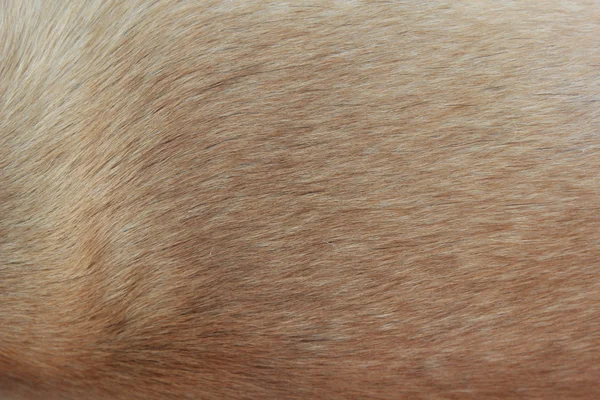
(299, 200)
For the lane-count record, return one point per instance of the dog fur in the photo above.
(299, 200)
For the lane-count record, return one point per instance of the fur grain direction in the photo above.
(299, 200)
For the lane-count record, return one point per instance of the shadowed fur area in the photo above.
(299, 200)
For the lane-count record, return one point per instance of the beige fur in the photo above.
(299, 200)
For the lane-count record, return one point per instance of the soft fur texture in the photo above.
(299, 200)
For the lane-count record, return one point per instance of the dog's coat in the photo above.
(299, 200)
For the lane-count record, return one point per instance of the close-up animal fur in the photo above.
(299, 200)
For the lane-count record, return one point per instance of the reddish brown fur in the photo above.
(334, 200)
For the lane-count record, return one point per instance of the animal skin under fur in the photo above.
(299, 200)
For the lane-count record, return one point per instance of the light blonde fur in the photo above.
(299, 200)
